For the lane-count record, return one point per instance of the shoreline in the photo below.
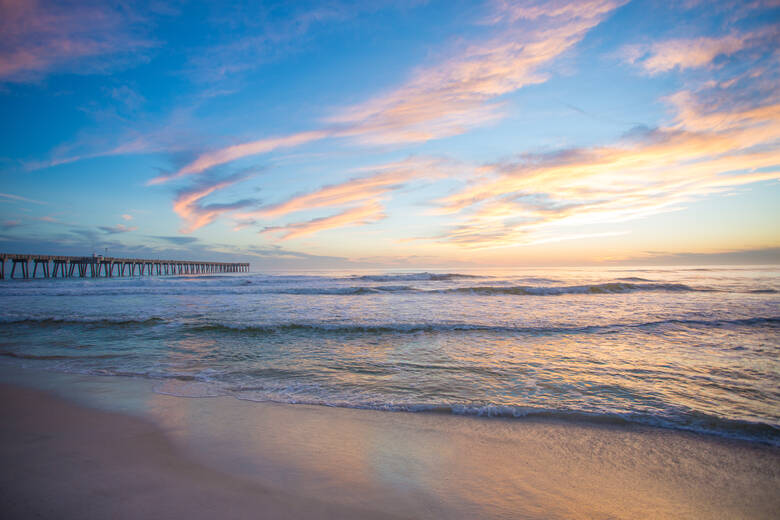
(105, 440)
(741, 431)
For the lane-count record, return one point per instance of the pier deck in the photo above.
(52, 266)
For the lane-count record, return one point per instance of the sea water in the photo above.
(686, 348)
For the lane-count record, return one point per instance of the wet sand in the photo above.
(174, 457)
(65, 461)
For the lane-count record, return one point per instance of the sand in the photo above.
(174, 457)
(64, 461)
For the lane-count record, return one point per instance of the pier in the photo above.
(96, 266)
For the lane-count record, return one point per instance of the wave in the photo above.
(337, 287)
(388, 328)
(195, 386)
(482, 290)
(466, 327)
(345, 290)
(55, 322)
(754, 431)
(684, 420)
(411, 277)
(47, 357)
(535, 279)
(601, 288)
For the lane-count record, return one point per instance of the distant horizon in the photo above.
(417, 267)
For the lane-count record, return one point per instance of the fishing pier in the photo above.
(97, 266)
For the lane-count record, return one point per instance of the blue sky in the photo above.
(404, 134)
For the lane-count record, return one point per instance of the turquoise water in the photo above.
(686, 348)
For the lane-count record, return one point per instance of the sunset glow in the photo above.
(408, 134)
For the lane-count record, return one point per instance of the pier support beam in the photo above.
(99, 266)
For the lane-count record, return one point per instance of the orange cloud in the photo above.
(356, 190)
(539, 196)
(357, 216)
(196, 215)
(365, 191)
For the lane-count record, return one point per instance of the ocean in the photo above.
(693, 349)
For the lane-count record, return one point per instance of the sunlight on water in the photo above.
(685, 348)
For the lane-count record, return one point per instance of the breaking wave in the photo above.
(601, 288)
(411, 277)
(383, 328)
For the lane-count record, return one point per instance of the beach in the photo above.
(91, 447)
(66, 461)
(569, 393)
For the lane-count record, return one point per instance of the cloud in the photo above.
(269, 31)
(8, 224)
(691, 53)
(119, 228)
(10, 196)
(188, 206)
(176, 239)
(512, 11)
(89, 234)
(763, 256)
(450, 98)
(458, 94)
(387, 178)
(357, 216)
(39, 37)
(232, 153)
(118, 135)
(723, 133)
(274, 251)
(540, 196)
(127, 97)
(683, 53)
(127, 217)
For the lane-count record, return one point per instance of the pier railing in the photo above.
(51, 266)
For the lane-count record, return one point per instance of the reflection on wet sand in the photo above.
(465, 467)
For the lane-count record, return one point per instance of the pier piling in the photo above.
(107, 267)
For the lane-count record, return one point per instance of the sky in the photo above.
(398, 134)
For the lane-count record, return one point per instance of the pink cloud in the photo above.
(449, 98)
(683, 53)
(8, 224)
(459, 93)
(37, 37)
(119, 228)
